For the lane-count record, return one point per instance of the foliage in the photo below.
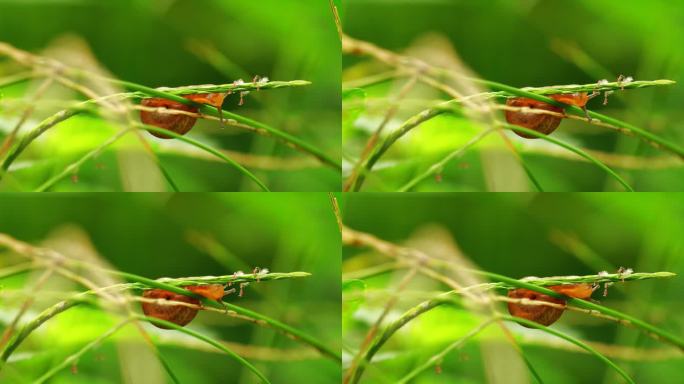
(285, 139)
(74, 329)
(402, 134)
(426, 280)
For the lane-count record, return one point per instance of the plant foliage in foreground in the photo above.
(120, 301)
(470, 109)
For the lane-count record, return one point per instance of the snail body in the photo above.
(578, 99)
(178, 314)
(544, 314)
(210, 291)
(540, 122)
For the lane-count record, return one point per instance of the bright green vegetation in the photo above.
(439, 269)
(278, 134)
(423, 100)
(80, 263)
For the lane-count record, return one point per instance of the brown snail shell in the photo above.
(177, 314)
(540, 314)
(176, 123)
(539, 122)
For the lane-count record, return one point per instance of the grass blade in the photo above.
(209, 149)
(572, 340)
(72, 359)
(574, 149)
(207, 340)
(75, 165)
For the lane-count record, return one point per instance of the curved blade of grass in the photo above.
(531, 176)
(75, 165)
(597, 354)
(409, 315)
(44, 125)
(72, 359)
(440, 164)
(17, 78)
(167, 176)
(209, 149)
(26, 330)
(207, 340)
(167, 366)
(434, 360)
(574, 149)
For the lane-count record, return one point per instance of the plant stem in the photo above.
(434, 360)
(574, 149)
(72, 359)
(209, 149)
(435, 168)
(206, 339)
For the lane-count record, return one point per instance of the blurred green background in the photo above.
(183, 42)
(520, 235)
(160, 235)
(527, 43)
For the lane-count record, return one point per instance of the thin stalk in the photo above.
(435, 168)
(75, 165)
(209, 149)
(395, 135)
(17, 78)
(434, 360)
(571, 148)
(207, 340)
(46, 124)
(72, 359)
(577, 342)
(17, 269)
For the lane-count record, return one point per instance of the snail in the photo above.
(541, 122)
(178, 314)
(543, 314)
(177, 123)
